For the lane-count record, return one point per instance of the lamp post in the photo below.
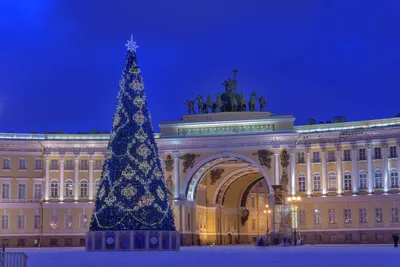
(267, 211)
(293, 202)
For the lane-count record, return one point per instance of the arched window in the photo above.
(317, 182)
(332, 181)
(378, 179)
(96, 186)
(69, 188)
(347, 180)
(84, 188)
(54, 188)
(363, 180)
(302, 182)
(394, 178)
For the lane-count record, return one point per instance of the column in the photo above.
(385, 167)
(309, 183)
(369, 158)
(339, 169)
(324, 181)
(61, 194)
(276, 161)
(76, 177)
(46, 178)
(91, 160)
(355, 170)
(292, 171)
(176, 174)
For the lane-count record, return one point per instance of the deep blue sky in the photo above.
(60, 61)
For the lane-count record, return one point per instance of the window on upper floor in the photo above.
(316, 156)
(54, 189)
(36, 221)
(332, 181)
(378, 215)
(363, 180)
(21, 191)
(331, 156)
(96, 186)
(253, 202)
(69, 188)
(260, 202)
(5, 220)
(361, 154)
(347, 216)
(300, 157)
(347, 181)
(346, 155)
(302, 217)
(5, 190)
(21, 222)
(253, 224)
(22, 164)
(38, 164)
(394, 179)
(377, 153)
(378, 179)
(68, 221)
(332, 216)
(363, 215)
(6, 164)
(98, 164)
(83, 221)
(84, 188)
(317, 216)
(54, 165)
(393, 152)
(37, 194)
(54, 221)
(317, 182)
(395, 215)
(84, 164)
(302, 183)
(69, 165)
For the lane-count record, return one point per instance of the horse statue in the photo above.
(253, 102)
(234, 103)
(243, 102)
(262, 102)
(218, 103)
(209, 104)
(239, 100)
(190, 104)
(201, 107)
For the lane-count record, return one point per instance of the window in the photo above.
(332, 181)
(378, 215)
(346, 155)
(5, 192)
(317, 182)
(22, 164)
(253, 224)
(363, 180)
(317, 217)
(4, 221)
(316, 157)
(68, 189)
(68, 165)
(54, 221)
(36, 221)
(347, 216)
(347, 181)
(53, 242)
(348, 237)
(262, 224)
(392, 152)
(21, 222)
(302, 183)
(6, 164)
(96, 186)
(68, 221)
(377, 153)
(38, 164)
(302, 215)
(84, 189)
(98, 164)
(253, 202)
(54, 189)
(332, 216)
(395, 215)
(378, 179)
(37, 191)
(84, 164)
(68, 242)
(394, 179)
(361, 154)
(54, 164)
(363, 215)
(83, 221)
(300, 157)
(261, 202)
(331, 156)
(21, 191)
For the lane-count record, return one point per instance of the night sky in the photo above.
(60, 61)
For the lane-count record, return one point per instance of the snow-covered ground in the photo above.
(240, 256)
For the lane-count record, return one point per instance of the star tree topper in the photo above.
(131, 45)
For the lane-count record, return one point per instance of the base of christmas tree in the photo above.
(133, 241)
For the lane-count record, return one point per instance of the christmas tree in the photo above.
(132, 194)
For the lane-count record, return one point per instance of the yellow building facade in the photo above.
(224, 172)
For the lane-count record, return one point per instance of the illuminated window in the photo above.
(378, 215)
(317, 217)
(347, 216)
(253, 224)
(332, 216)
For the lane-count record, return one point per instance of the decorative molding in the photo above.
(188, 161)
(224, 130)
(354, 146)
(169, 163)
(215, 175)
(264, 156)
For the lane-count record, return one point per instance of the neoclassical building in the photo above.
(222, 170)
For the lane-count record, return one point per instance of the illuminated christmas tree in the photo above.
(132, 194)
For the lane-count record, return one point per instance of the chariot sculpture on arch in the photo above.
(228, 101)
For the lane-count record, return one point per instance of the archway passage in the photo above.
(229, 195)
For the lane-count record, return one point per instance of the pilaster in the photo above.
(339, 169)
(355, 169)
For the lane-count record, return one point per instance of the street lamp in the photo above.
(294, 201)
(267, 211)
